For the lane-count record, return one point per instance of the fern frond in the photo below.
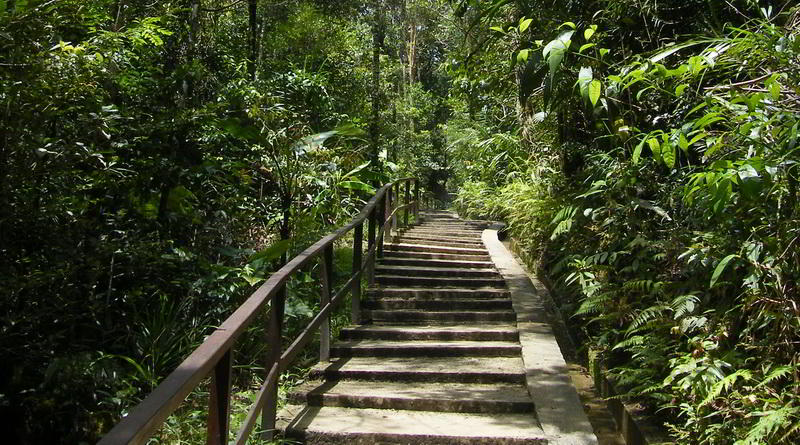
(725, 385)
(647, 315)
(636, 340)
(684, 305)
(775, 374)
(769, 423)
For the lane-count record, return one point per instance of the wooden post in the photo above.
(407, 202)
(219, 402)
(395, 197)
(416, 201)
(326, 272)
(373, 222)
(355, 295)
(274, 327)
(383, 214)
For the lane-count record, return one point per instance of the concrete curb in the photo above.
(558, 407)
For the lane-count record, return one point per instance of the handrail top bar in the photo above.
(148, 415)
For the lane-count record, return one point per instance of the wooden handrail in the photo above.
(215, 355)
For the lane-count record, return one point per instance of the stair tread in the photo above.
(507, 392)
(460, 366)
(441, 262)
(500, 327)
(417, 426)
(410, 344)
(389, 268)
(454, 249)
(433, 311)
(396, 289)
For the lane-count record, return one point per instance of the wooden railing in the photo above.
(214, 356)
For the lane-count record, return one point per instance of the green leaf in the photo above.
(668, 155)
(240, 129)
(357, 169)
(721, 268)
(497, 28)
(562, 43)
(272, 252)
(595, 88)
(681, 88)
(587, 34)
(524, 24)
(637, 152)
(585, 77)
(357, 185)
(675, 48)
(604, 51)
(568, 24)
(775, 90)
(312, 142)
(522, 56)
(683, 142)
(655, 147)
(586, 46)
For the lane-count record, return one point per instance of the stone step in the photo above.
(407, 247)
(350, 426)
(433, 242)
(452, 397)
(434, 256)
(432, 262)
(424, 348)
(416, 271)
(439, 214)
(450, 233)
(410, 281)
(506, 332)
(423, 369)
(427, 316)
(438, 304)
(437, 237)
(452, 226)
(436, 293)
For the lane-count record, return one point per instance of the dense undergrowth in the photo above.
(157, 159)
(659, 194)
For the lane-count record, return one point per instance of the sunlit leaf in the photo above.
(595, 88)
(721, 268)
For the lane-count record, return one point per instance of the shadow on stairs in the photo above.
(438, 360)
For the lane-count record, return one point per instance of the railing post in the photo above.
(326, 272)
(395, 198)
(407, 202)
(219, 402)
(355, 296)
(416, 201)
(274, 327)
(383, 215)
(373, 217)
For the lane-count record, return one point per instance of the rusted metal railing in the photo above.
(214, 357)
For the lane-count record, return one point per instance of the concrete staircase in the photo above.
(440, 361)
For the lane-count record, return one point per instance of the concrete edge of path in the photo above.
(558, 406)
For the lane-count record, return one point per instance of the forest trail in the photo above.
(453, 353)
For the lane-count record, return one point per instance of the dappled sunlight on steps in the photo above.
(438, 361)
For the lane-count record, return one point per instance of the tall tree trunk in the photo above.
(194, 28)
(252, 6)
(378, 34)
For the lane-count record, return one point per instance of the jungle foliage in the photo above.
(157, 159)
(647, 163)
